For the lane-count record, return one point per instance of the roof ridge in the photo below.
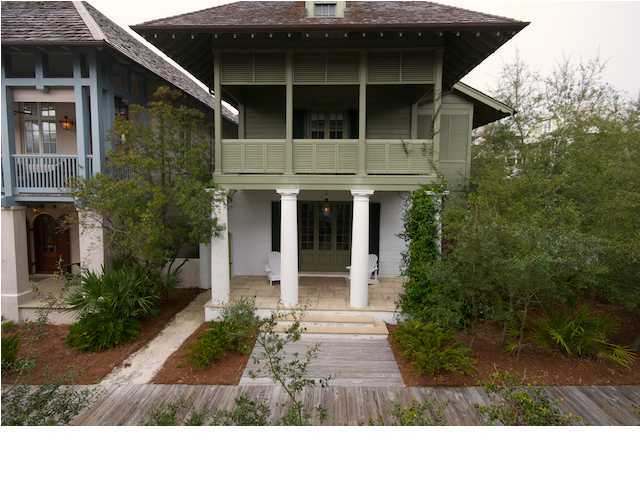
(474, 11)
(183, 14)
(89, 21)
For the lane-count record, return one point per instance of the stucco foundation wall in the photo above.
(250, 231)
(391, 245)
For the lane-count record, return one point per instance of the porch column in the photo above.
(15, 263)
(204, 267)
(289, 246)
(220, 274)
(91, 241)
(359, 289)
(8, 139)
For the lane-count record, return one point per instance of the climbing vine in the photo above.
(422, 235)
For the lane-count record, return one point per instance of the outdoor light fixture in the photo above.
(67, 123)
(326, 207)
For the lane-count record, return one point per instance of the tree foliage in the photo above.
(155, 197)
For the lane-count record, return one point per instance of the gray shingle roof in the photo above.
(239, 15)
(72, 23)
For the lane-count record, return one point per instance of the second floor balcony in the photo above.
(338, 156)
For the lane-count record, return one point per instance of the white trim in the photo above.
(483, 98)
(88, 20)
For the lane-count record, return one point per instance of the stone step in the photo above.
(330, 318)
(340, 328)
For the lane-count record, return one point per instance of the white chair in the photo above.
(372, 269)
(273, 267)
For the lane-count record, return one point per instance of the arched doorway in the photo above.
(52, 244)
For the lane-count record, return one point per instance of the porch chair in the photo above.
(372, 269)
(273, 267)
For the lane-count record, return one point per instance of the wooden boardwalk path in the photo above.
(350, 360)
(130, 404)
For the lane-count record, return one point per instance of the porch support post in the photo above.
(220, 273)
(91, 241)
(289, 169)
(362, 115)
(81, 119)
(204, 267)
(15, 263)
(359, 289)
(217, 114)
(8, 139)
(95, 90)
(437, 107)
(289, 246)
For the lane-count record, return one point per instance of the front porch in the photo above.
(317, 295)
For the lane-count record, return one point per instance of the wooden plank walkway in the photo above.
(130, 404)
(350, 360)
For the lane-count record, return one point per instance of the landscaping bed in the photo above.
(534, 365)
(225, 371)
(54, 360)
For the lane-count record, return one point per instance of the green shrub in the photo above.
(246, 412)
(10, 347)
(233, 333)
(110, 306)
(428, 412)
(516, 404)
(582, 333)
(50, 404)
(432, 349)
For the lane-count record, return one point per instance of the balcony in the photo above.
(47, 173)
(325, 157)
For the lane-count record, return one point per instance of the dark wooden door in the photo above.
(52, 244)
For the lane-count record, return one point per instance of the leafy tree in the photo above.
(155, 197)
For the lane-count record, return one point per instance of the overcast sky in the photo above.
(571, 28)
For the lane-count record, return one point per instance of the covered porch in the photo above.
(317, 293)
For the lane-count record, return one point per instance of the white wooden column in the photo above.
(288, 246)
(362, 115)
(15, 263)
(289, 168)
(220, 274)
(91, 241)
(359, 289)
(204, 266)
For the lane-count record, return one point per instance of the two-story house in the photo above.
(67, 72)
(344, 107)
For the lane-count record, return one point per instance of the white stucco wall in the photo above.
(391, 246)
(250, 231)
(250, 228)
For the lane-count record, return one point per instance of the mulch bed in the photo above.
(55, 361)
(226, 371)
(535, 365)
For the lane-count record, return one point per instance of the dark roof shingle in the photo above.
(80, 23)
(272, 14)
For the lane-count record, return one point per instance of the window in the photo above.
(336, 125)
(324, 9)
(322, 125)
(317, 125)
(39, 128)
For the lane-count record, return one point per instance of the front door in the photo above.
(52, 244)
(324, 236)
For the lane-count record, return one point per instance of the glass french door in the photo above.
(324, 236)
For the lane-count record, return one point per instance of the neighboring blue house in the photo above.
(67, 72)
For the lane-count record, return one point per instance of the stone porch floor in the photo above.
(318, 293)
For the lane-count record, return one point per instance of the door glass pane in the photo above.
(317, 125)
(47, 110)
(336, 125)
(306, 226)
(31, 136)
(49, 137)
(325, 225)
(343, 227)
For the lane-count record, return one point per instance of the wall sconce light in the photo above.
(326, 207)
(67, 123)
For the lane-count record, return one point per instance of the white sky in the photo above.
(576, 29)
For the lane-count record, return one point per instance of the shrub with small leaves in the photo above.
(246, 412)
(50, 404)
(428, 412)
(234, 333)
(516, 404)
(432, 349)
(10, 345)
